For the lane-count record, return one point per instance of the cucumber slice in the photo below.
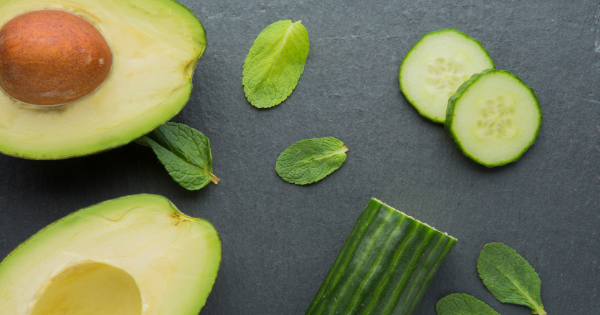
(436, 67)
(494, 117)
(385, 266)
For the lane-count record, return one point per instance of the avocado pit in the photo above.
(52, 57)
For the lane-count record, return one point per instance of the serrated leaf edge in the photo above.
(150, 142)
(212, 176)
(537, 309)
(461, 295)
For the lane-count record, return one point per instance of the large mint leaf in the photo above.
(185, 153)
(275, 63)
(509, 277)
(462, 304)
(309, 161)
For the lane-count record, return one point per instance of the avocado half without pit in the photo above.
(83, 76)
(136, 255)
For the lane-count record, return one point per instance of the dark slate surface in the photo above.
(279, 240)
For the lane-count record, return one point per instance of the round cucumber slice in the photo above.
(494, 117)
(436, 66)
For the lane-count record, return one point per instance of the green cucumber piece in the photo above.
(385, 266)
(494, 117)
(436, 66)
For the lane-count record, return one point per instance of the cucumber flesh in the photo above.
(494, 118)
(385, 266)
(436, 67)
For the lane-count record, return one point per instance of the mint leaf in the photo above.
(309, 161)
(462, 304)
(185, 153)
(275, 63)
(509, 277)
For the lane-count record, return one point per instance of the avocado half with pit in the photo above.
(136, 255)
(83, 76)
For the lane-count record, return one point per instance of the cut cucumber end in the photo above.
(374, 202)
(385, 266)
(494, 118)
(436, 67)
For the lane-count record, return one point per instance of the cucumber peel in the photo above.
(493, 117)
(384, 267)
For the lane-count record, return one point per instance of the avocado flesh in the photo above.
(136, 255)
(155, 46)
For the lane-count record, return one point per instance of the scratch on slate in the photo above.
(565, 95)
(352, 37)
(592, 101)
(597, 20)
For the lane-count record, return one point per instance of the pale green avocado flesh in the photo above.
(155, 46)
(136, 255)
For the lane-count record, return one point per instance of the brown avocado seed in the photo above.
(52, 57)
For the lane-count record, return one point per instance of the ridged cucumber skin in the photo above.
(450, 115)
(413, 48)
(384, 267)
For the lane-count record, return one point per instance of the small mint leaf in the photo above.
(142, 141)
(275, 63)
(509, 277)
(185, 153)
(462, 304)
(309, 161)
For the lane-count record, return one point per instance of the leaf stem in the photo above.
(540, 310)
(214, 178)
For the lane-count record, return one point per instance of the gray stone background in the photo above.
(279, 240)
